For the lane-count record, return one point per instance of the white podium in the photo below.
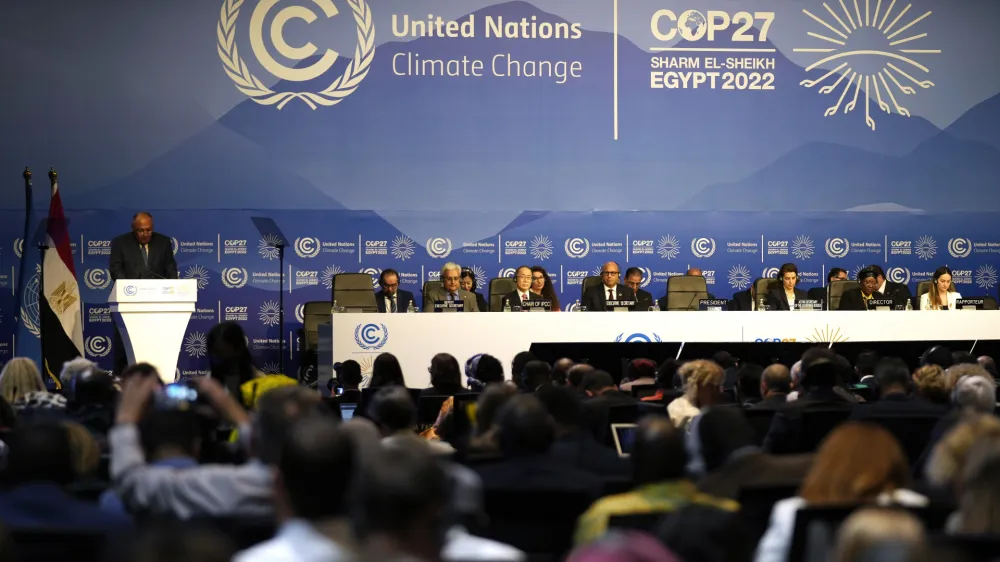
(152, 316)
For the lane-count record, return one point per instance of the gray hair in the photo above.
(75, 369)
(977, 393)
(449, 266)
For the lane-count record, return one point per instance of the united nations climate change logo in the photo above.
(898, 275)
(97, 279)
(343, 86)
(577, 247)
(375, 274)
(507, 273)
(869, 45)
(638, 337)
(703, 247)
(30, 312)
(300, 313)
(371, 337)
(438, 247)
(97, 346)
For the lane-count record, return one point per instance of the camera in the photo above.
(176, 396)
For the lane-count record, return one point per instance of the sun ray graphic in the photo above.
(901, 75)
(827, 335)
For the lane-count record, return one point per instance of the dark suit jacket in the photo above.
(481, 302)
(787, 428)
(897, 405)
(538, 473)
(514, 298)
(777, 300)
(852, 300)
(596, 297)
(819, 294)
(580, 450)
(643, 300)
(44, 505)
(595, 411)
(403, 300)
(126, 258)
(741, 301)
(898, 292)
(773, 402)
(755, 470)
(662, 302)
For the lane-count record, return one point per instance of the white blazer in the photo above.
(925, 300)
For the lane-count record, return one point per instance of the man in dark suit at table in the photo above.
(140, 254)
(391, 298)
(857, 299)
(596, 298)
(898, 292)
(694, 272)
(520, 296)
(633, 278)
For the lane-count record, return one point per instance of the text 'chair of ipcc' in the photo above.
(353, 291)
(685, 291)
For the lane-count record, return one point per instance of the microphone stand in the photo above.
(281, 306)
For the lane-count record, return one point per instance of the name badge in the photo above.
(619, 305)
(713, 305)
(538, 305)
(809, 304)
(449, 306)
(970, 304)
(881, 304)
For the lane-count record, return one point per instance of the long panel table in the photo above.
(415, 338)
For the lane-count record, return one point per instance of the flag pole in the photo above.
(42, 248)
(24, 241)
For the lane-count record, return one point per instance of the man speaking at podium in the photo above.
(142, 253)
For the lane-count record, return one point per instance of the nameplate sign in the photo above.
(537, 305)
(809, 304)
(619, 305)
(881, 304)
(449, 306)
(970, 304)
(713, 305)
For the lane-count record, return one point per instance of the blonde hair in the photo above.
(699, 374)
(932, 384)
(948, 458)
(868, 527)
(83, 449)
(20, 376)
(962, 370)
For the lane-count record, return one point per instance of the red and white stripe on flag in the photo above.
(61, 288)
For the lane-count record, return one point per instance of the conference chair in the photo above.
(837, 290)
(353, 291)
(500, 286)
(764, 284)
(588, 282)
(430, 286)
(925, 287)
(314, 313)
(990, 303)
(684, 292)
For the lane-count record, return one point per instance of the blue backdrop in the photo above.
(662, 133)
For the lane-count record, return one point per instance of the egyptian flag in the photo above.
(60, 306)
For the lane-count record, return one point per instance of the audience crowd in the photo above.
(716, 459)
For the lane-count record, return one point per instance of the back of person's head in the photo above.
(85, 454)
(666, 372)
(722, 431)
(777, 378)
(40, 452)
(489, 370)
(955, 373)
(316, 468)
(706, 533)
(277, 410)
(576, 374)
(392, 409)
(139, 370)
(640, 369)
(865, 363)
(987, 362)
(931, 383)
(979, 497)
(893, 372)
(349, 374)
(93, 387)
(825, 372)
(19, 376)
(595, 382)
(386, 371)
(404, 494)
(177, 541)
(563, 404)
(658, 454)
(517, 365)
(489, 404)
(445, 372)
(623, 546)
(170, 433)
(948, 459)
(524, 427)
(725, 360)
(560, 371)
(975, 393)
(856, 462)
(870, 527)
(535, 374)
(700, 373)
(963, 356)
(71, 371)
(937, 355)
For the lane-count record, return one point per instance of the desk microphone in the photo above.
(150, 271)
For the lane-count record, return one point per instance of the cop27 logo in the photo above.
(638, 337)
(959, 247)
(371, 337)
(98, 346)
(577, 248)
(247, 83)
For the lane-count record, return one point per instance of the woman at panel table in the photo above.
(784, 297)
(469, 283)
(939, 297)
(541, 285)
(857, 299)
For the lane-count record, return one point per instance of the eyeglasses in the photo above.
(393, 286)
(611, 273)
(524, 277)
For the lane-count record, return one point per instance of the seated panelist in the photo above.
(519, 297)
(940, 297)
(857, 299)
(451, 276)
(596, 298)
(784, 297)
(391, 298)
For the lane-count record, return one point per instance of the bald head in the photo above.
(694, 271)
(775, 379)
(610, 274)
(658, 454)
(142, 227)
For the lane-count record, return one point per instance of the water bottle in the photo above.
(653, 307)
(761, 306)
(909, 304)
(410, 309)
(335, 309)
(506, 305)
(577, 307)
